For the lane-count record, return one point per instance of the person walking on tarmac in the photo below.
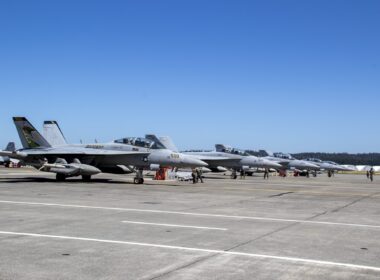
(371, 173)
(242, 174)
(367, 174)
(266, 174)
(199, 175)
(194, 176)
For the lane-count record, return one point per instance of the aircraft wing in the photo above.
(85, 155)
(218, 161)
(14, 155)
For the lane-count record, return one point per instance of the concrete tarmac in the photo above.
(281, 228)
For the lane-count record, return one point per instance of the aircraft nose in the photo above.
(194, 162)
(272, 164)
(309, 165)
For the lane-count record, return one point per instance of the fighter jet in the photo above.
(69, 160)
(159, 156)
(290, 163)
(4, 160)
(329, 166)
(234, 159)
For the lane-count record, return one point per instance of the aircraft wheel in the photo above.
(60, 177)
(86, 178)
(138, 181)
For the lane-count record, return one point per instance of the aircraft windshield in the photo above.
(331, 162)
(283, 156)
(136, 141)
(235, 151)
(314, 160)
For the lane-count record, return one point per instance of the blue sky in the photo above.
(287, 76)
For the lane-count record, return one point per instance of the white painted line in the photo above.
(23, 174)
(191, 214)
(172, 225)
(289, 259)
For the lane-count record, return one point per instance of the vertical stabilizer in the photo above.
(168, 143)
(53, 133)
(11, 147)
(222, 148)
(29, 136)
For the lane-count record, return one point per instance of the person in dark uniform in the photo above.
(199, 175)
(266, 173)
(371, 173)
(194, 176)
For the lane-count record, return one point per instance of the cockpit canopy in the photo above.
(314, 160)
(283, 156)
(139, 142)
(235, 151)
(331, 162)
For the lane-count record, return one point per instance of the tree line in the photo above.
(344, 158)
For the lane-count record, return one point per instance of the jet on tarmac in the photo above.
(231, 158)
(5, 160)
(159, 156)
(68, 160)
(329, 166)
(290, 163)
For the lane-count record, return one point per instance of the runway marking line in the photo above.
(190, 214)
(172, 225)
(221, 252)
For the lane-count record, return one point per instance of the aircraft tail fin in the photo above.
(168, 143)
(269, 153)
(222, 148)
(11, 147)
(53, 133)
(29, 136)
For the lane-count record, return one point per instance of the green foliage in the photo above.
(344, 158)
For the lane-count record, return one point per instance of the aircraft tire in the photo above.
(86, 178)
(60, 177)
(138, 181)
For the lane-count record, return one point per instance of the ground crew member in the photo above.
(371, 173)
(194, 176)
(266, 173)
(199, 175)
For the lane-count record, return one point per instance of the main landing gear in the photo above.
(139, 179)
(60, 177)
(234, 174)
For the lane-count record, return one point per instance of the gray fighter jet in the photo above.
(68, 160)
(4, 160)
(329, 166)
(159, 156)
(290, 163)
(234, 159)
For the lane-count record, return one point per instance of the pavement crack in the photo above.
(187, 265)
(280, 194)
(260, 237)
(353, 202)
(219, 205)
